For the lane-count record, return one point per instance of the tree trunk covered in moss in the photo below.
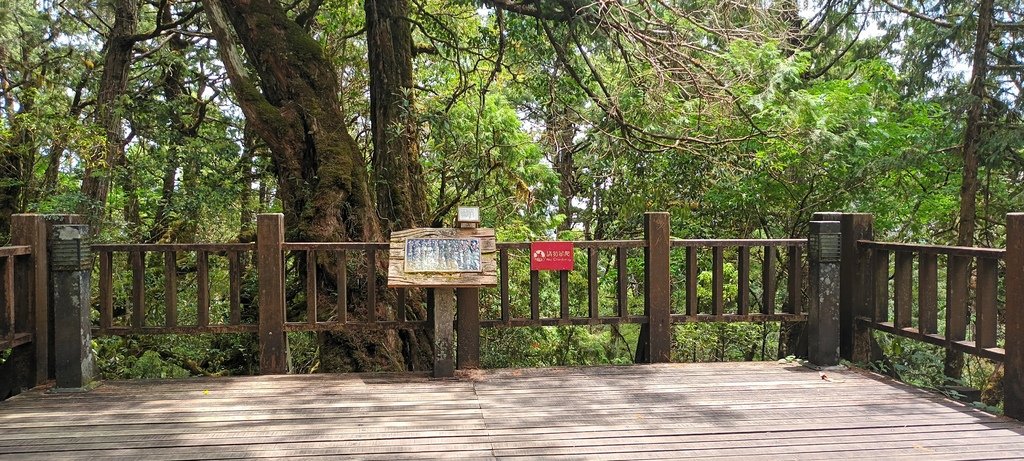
(291, 102)
(397, 174)
(113, 84)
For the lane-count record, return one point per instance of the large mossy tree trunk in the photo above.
(397, 174)
(291, 102)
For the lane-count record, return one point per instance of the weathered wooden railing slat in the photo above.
(985, 317)
(769, 281)
(692, 277)
(138, 263)
(202, 288)
(593, 284)
(311, 290)
(170, 289)
(342, 285)
(717, 281)
(928, 293)
(794, 281)
(743, 284)
(902, 286)
(622, 281)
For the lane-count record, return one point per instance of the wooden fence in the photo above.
(273, 287)
(878, 281)
(346, 263)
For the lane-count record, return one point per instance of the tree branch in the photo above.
(915, 14)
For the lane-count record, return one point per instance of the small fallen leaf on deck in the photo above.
(824, 377)
(206, 392)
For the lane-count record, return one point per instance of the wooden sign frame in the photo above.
(486, 277)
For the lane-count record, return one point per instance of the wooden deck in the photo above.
(723, 411)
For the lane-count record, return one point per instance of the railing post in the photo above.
(468, 316)
(270, 270)
(656, 335)
(823, 313)
(71, 263)
(31, 279)
(855, 286)
(441, 313)
(1013, 375)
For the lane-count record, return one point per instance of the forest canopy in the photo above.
(181, 120)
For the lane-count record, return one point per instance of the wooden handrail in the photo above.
(971, 252)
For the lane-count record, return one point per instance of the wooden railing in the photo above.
(201, 288)
(961, 265)
(974, 279)
(124, 310)
(23, 306)
(134, 316)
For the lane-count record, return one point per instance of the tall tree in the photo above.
(291, 101)
(118, 54)
(397, 173)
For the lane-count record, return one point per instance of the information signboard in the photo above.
(434, 258)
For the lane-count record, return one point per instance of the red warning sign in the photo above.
(551, 256)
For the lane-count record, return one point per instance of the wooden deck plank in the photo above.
(713, 411)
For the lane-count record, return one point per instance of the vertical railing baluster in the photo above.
(534, 295)
(203, 288)
(563, 294)
(311, 291)
(138, 263)
(769, 279)
(743, 284)
(958, 273)
(795, 304)
(717, 281)
(235, 287)
(170, 289)
(985, 321)
(403, 298)
(506, 310)
(7, 326)
(592, 283)
(880, 274)
(342, 284)
(106, 289)
(927, 293)
(692, 272)
(622, 277)
(903, 286)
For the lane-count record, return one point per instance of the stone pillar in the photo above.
(442, 315)
(71, 266)
(823, 315)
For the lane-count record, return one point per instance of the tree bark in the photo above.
(397, 174)
(972, 131)
(113, 84)
(972, 145)
(291, 102)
